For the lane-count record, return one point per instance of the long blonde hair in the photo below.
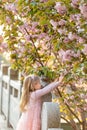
(28, 87)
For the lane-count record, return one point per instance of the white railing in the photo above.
(10, 93)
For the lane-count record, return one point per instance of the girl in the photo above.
(31, 103)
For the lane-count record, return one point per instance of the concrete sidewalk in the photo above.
(3, 123)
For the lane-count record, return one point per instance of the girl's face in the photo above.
(37, 85)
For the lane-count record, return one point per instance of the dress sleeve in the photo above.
(45, 90)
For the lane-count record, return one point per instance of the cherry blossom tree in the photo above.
(49, 37)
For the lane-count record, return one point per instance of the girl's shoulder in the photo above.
(32, 94)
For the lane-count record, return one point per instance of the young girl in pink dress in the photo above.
(31, 103)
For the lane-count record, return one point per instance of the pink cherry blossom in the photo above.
(34, 24)
(75, 17)
(84, 50)
(61, 9)
(27, 37)
(4, 46)
(47, 38)
(75, 3)
(83, 9)
(66, 40)
(77, 54)
(62, 31)
(65, 55)
(8, 20)
(22, 50)
(22, 30)
(72, 17)
(72, 97)
(62, 22)
(41, 35)
(54, 24)
(85, 107)
(72, 36)
(78, 16)
(11, 7)
(35, 36)
(80, 40)
(21, 44)
(83, 96)
(26, 26)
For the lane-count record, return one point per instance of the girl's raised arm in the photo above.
(47, 89)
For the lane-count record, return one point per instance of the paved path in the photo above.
(3, 123)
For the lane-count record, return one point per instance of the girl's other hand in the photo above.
(61, 78)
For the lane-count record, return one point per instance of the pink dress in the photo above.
(31, 119)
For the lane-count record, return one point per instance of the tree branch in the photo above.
(35, 48)
(69, 107)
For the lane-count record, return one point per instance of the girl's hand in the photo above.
(61, 78)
